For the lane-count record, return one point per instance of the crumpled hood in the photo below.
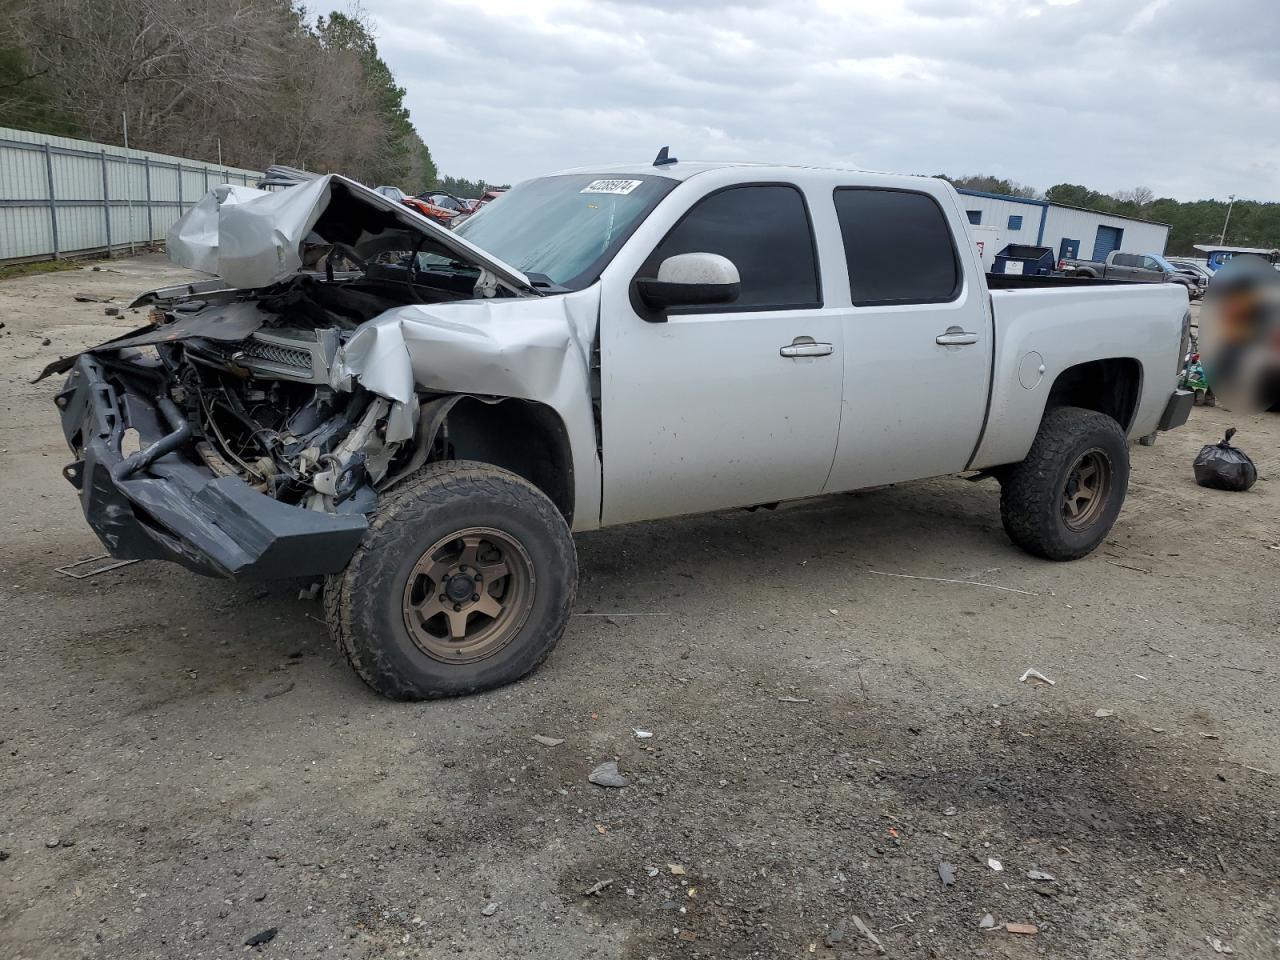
(253, 238)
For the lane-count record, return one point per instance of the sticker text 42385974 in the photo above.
(611, 186)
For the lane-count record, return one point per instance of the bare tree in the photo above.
(249, 76)
(1138, 196)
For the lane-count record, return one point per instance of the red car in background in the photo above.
(444, 208)
(440, 207)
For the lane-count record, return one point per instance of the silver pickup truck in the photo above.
(424, 417)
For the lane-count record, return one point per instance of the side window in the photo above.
(1150, 264)
(764, 229)
(898, 247)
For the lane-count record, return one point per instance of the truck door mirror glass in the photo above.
(691, 280)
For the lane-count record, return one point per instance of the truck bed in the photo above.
(1003, 281)
(1044, 325)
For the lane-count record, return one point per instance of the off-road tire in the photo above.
(364, 605)
(1032, 492)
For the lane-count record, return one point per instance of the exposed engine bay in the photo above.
(271, 409)
(255, 362)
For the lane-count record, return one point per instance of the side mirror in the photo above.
(691, 280)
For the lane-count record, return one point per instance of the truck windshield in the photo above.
(565, 228)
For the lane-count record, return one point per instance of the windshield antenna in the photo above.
(662, 158)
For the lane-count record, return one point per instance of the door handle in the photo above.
(806, 347)
(955, 337)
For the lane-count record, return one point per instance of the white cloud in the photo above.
(1109, 93)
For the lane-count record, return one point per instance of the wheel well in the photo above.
(527, 438)
(1110, 386)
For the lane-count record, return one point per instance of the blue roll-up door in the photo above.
(1108, 240)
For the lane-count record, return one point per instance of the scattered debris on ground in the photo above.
(866, 932)
(947, 874)
(607, 775)
(258, 939)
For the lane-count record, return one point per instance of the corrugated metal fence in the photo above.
(60, 196)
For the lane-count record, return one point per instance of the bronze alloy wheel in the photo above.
(1084, 498)
(469, 595)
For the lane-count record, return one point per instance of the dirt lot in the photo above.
(186, 763)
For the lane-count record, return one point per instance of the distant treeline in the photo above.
(467, 189)
(1253, 224)
(257, 80)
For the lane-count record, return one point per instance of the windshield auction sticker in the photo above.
(611, 186)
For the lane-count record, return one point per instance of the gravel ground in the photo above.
(187, 763)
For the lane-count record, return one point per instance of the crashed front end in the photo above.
(249, 430)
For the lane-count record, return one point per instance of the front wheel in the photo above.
(1061, 501)
(463, 583)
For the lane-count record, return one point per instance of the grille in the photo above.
(273, 353)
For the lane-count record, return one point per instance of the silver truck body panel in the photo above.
(1065, 328)
(534, 349)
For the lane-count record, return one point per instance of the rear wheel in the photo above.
(463, 583)
(1062, 500)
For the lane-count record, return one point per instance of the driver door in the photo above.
(730, 404)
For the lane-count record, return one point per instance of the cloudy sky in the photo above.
(1182, 96)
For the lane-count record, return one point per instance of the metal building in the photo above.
(1072, 232)
(62, 197)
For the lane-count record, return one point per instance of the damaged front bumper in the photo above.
(158, 504)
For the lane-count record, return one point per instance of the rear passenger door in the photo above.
(918, 339)
(1128, 266)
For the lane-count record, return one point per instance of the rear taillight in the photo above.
(1184, 346)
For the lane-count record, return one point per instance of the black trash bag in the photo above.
(1223, 467)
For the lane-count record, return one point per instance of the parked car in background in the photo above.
(1197, 270)
(441, 215)
(427, 427)
(1134, 267)
(1199, 267)
(446, 201)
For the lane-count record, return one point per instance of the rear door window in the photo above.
(765, 230)
(898, 247)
